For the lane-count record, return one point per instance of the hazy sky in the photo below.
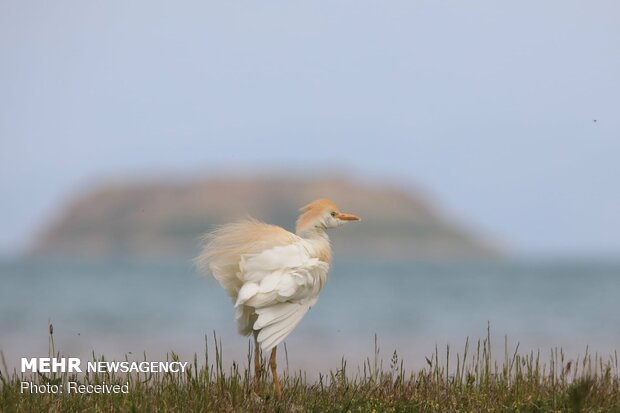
(488, 105)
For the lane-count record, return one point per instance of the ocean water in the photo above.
(129, 308)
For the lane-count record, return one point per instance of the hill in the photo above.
(153, 219)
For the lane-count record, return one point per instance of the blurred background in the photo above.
(478, 141)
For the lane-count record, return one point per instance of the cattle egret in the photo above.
(272, 276)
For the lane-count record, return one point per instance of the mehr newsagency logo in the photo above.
(53, 365)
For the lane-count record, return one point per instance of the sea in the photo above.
(368, 310)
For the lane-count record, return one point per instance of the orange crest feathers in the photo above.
(321, 204)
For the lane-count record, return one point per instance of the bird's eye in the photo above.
(334, 213)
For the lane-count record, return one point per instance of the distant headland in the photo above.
(166, 219)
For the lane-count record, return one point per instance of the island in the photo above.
(164, 219)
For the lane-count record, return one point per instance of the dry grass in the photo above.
(470, 381)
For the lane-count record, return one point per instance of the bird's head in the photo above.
(322, 214)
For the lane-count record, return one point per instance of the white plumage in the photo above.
(272, 286)
(280, 285)
(273, 276)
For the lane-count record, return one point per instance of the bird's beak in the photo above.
(348, 217)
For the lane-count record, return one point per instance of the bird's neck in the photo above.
(314, 233)
(319, 240)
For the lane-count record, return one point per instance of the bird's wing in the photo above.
(280, 284)
(225, 246)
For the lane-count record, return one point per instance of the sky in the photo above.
(505, 112)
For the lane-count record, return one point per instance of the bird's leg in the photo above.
(274, 372)
(257, 364)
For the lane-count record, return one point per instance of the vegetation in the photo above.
(471, 381)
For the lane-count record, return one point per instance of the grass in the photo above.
(470, 381)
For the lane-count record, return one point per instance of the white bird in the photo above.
(272, 276)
